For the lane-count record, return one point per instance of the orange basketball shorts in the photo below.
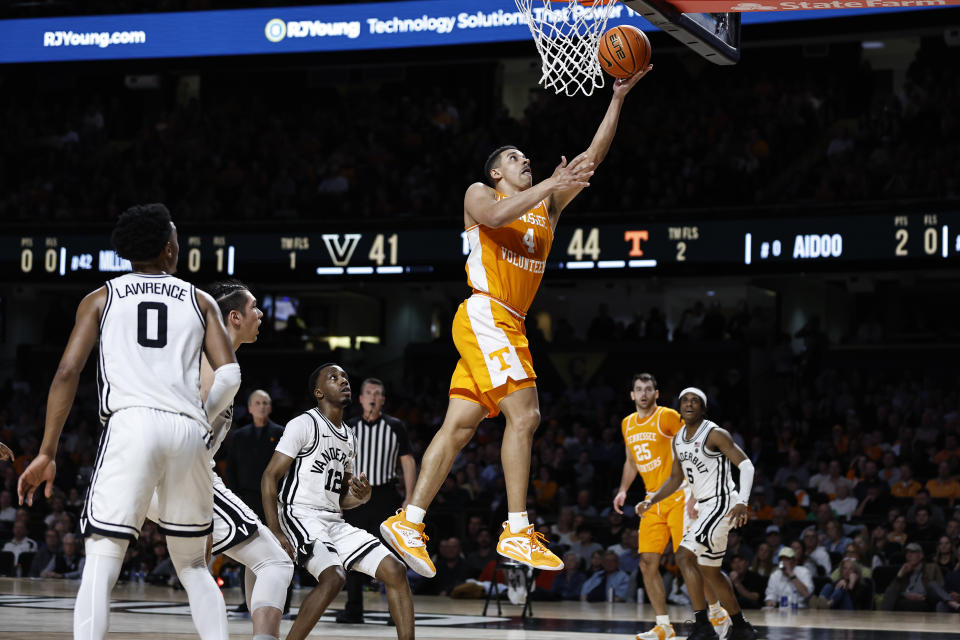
(494, 353)
(664, 521)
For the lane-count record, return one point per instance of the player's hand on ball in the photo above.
(573, 175)
(739, 515)
(360, 487)
(642, 507)
(623, 85)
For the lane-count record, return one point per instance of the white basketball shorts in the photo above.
(706, 536)
(143, 451)
(324, 540)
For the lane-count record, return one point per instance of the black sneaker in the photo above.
(346, 617)
(703, 632)
(743, 631)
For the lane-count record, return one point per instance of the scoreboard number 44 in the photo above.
(578, 247)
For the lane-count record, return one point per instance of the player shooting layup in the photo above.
(152, 328)
(509, 223)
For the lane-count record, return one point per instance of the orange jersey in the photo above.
(507, 263)
(650, 441)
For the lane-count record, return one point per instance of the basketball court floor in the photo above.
(43, 610)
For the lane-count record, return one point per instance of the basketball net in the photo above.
(567, 34)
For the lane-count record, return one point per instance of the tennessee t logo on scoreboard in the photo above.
(635, 238)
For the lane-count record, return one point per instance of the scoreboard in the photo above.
(875, 241)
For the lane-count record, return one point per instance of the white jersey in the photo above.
(151, 338)
(708, 472)
(323, 454)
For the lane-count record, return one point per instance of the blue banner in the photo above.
(385, 25)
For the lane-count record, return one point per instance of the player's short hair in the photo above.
(645, 377)
(376, 381)
(229, 296)
(315, 375)
(141, 232)
(493, 161)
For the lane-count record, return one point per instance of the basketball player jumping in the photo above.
(152, 328)
(313, 465)
(509, 223)
(703, 453)
(647, 434)
(237, 531)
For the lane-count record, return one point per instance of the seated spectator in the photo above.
(794, 469)
(918, 586)
(802, 559)
(623, 544)
(922, 499)
(630, 559)
(802, 498)
(545, 488)
(609, 584)
(773, 538)
(923, 529)
(484, 552)
(898, 534)
(844, 504)
(8, 512)
(905, 486)
(736, 546)
(749, 586)
(823, 471)
(57, 508)
(789, 581)
(815, 551)
(47, 552)
(584, 506)
(951, 584)
(762, 563)
(945, 555)
(569, 581)
(613, 533)
(835, 478)
(68, 563)
(836, 541)
(564, 531)
(452, 569)
(759, 507)
(849, 591)
(951, 450)
(943, 486)
(584, 545)
(20, 542)
(584, 470)
(889, 472)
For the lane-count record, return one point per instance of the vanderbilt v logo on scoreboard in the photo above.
(341, 251)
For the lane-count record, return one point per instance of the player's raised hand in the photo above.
(739, 515)
(360, 487)
(618, 501)
(575, 175)
(5, 453)
(622, 86)
(42, 469)
(642, 507)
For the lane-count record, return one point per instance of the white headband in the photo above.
(697, 392)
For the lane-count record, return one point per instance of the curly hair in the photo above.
(141, 232)
(229, 296)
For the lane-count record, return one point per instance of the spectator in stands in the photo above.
(922, 500)
(823, 472)
(483, 553)
(585, 547)
(905, 486)
(8, 512)
(630, 557)
(569, 582)
(917, 586)
(610, 583)
(923, 529)
(951, 584)
(68, 563)
(950, 450)
(748, 585)
(790, 581)
(835, 478)
(47, 552)
(872, 507)
(898, 533)
(736, 546)
(890, 472)
(452, 570)
(802, 559)
(943, 486)
(57, 509)
(844, 505)
(815, 551)
(20, 542)
(563, 530)
(871, 479)
(762, 563)
(945, 555)
(848, 591)
(584, 506)
(545, 488)
(794, 468)
(836, 541)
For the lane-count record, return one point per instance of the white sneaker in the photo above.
(659, 632)
(721, 622)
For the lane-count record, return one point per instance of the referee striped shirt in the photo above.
(379, 445)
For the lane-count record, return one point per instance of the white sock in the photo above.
(415, 514)
(207, 608)
(715, 607)
(91, 614)
(518, 521)
(664, 620)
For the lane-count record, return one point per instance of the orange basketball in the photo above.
(624, 51)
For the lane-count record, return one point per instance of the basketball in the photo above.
(624, 51)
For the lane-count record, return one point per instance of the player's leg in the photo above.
(710, 560)
(272, 569)
(330, 581)
(393, 574)
(715, 612)
(91, 614)
(652, 536)
(522, 412)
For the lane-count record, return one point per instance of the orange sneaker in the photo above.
(527, 547)
(409, 540)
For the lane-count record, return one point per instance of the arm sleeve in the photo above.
(297, 436)
(746, 480)
(226, 383)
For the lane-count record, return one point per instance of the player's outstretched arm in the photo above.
(720, 440)
(602, 139)
(626, 479)
(276, 469)
(667, 488)
(63, 389)
(221, 356)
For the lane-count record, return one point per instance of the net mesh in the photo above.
(567, 34)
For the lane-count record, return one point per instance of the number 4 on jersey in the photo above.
(529, 241)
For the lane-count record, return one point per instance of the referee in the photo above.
(381, 441)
